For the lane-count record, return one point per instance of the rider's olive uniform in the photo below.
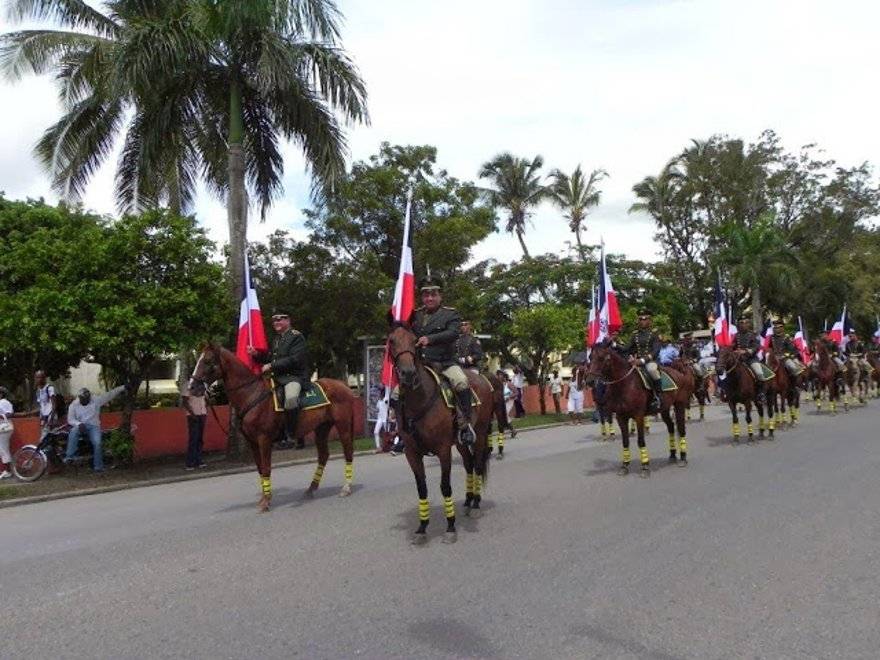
(834, 351)
(786, 352)
(442, 328)
(691, 353)
(289, 358)
(747, 340)
(645, 345)
(469, 352)
(855, 352)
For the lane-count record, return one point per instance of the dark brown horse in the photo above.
(627, 397)
(260, 424)
(873, 358)
(778, 390)
(739, 385)
(826, 377)
(499, 412)
(427, 426)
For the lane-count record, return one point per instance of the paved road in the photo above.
(764, 551)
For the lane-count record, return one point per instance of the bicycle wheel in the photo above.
(29, 463)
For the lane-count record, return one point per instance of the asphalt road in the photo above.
(766, 551)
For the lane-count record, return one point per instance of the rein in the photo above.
(622, 378)
(241, 413)
(413, 419)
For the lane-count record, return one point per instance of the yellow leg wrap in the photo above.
(771, 425)
(611, 430)
(702, 410)
(478, 484)
(469, 483)
(349, 473)
(604, 429)
(449, 507)
(424, 510)
(643, 455)
(266, 485)
(627, 455)
(778, 419)
(834, 406)
(762, 425)
(501, 439)
(736, 430)
(682, 445)
(647, 426)
(671, 442)
(490, 441)
(791, 416)
(750, 429)
(687, 414)
(319, 474)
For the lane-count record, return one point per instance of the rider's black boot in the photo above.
(760, 392)
(291, 417)
(464, 399)
(658, 397)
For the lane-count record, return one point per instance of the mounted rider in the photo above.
(747, 345)
(784, 350)
(468, 348)
(856, 354)
(288, 362)
(691, 353)
(643, 350)
(438, 329)
(834, 353)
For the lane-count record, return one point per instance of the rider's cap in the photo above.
(744, 319)
(644, 312)
(778, 323)
(280, 313)
(430, 283)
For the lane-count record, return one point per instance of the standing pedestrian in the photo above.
(196, 415)
(6, 429)
(556, 390)
(381, 421)
(518, 385)
(46, 403)
(576, 397)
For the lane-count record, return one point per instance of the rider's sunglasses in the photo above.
(279, 318)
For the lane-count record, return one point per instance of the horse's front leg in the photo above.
(445, 456)
(670, 429)
(262, 450)
(644, 459)
(417, 464)
(467, 460)
(623, 423)
(731, 402)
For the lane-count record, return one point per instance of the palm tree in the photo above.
(517, 190)
(198, 88)
(576, 195)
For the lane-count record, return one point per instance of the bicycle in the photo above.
(30, 462)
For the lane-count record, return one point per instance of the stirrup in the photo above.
(467, 436)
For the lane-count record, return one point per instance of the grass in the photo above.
(539, 420)
(7, 493)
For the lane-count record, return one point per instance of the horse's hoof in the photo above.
(419, 539)
(476, 513)
(500, 457)
(346, 491)
(263, 506)
(673, 460)
(683, 462)
(450, 537)
(309, 493)
(645, 472)
(623, 470)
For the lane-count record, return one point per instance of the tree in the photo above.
(201, 89)
(576, 195)
(517, 189)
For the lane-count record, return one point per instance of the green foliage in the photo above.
(120, 443)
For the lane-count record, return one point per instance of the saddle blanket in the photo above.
(666, 382)
(765, 370)
(313, 396)
(448, 394)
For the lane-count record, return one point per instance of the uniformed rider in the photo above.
(784, 349)
(288, 362)
(468, 348)
(644, 349)
(855, 353)
(691, 353)
(437, 328)
(836, 356)
(747, 345)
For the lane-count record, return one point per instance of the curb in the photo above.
(48, 497)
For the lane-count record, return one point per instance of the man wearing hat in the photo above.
(644, 348)
(691, 353)
(855, 353)
(747, 344)
(437, 329)
(468, 348)
(784, 349)
(288, 362)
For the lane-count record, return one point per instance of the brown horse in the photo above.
(825, 376)
(260, 424)
(427, 426)
(778, 390)
(873, 358)
(499, 412)
(626, 396)
(739, 385)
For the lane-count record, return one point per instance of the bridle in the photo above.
(394, 358)
(218, 364)
(602, 380)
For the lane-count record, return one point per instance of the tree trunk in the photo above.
(236, 214)
(519, 235)
(577, 238)
(757, 321)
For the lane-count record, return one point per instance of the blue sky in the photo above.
(621, 85)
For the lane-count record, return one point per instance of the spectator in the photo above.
(576, 397)
(518, 385)
(556, 390)
(381, 421)
(508, 392)
(6, 429)
(46, 403)
(196, 416)
(668, 352)
(84, 416)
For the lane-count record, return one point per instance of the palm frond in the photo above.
(74, 13)
(38, 51)
(315, 19)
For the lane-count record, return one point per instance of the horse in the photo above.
(428, 427)
(873, 358)
(260, 423)
(777, 389)
(857, 380)
(606, 419)
(499, 413)
(740, 387)
(826, 377)
(627, 397)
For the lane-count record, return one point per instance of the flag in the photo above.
(404, 295)
(877, 332)
(840, 330)
(609, 313)
(766, 336)
(250, 323)
(592, 321)
(801, 342)
(723, 335)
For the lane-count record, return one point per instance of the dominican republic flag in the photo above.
(840, 330)
(801, 342)
(250, 323)
(608, 314)
(592, 322)
(404, 296)
(724, 329)
(766, 335)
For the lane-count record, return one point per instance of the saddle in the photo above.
(311, 396)
(666, 382)
(767, 372)
(446, 389)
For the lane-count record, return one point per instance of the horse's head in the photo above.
(208, 367)
(403, 350)
(727, 359)
(600, 364)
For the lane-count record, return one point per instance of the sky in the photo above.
(621, 85)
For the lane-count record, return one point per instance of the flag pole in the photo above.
(247, 297)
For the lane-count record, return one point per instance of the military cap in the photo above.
(777, 323)
(430, 283)
(280, 312)
(644, 311)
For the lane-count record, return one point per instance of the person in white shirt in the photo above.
(84, 416)
(6, 429)
(576, 397)
(556, 390)
(381, 419)
(45, 402)
(519, 383)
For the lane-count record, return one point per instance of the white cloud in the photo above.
(616, 84)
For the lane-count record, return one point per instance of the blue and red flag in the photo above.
(250, 323)
(608, 316)
(724, 328)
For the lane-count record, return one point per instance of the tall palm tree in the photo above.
(576, 195)
(517, 189)
(197, 89)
